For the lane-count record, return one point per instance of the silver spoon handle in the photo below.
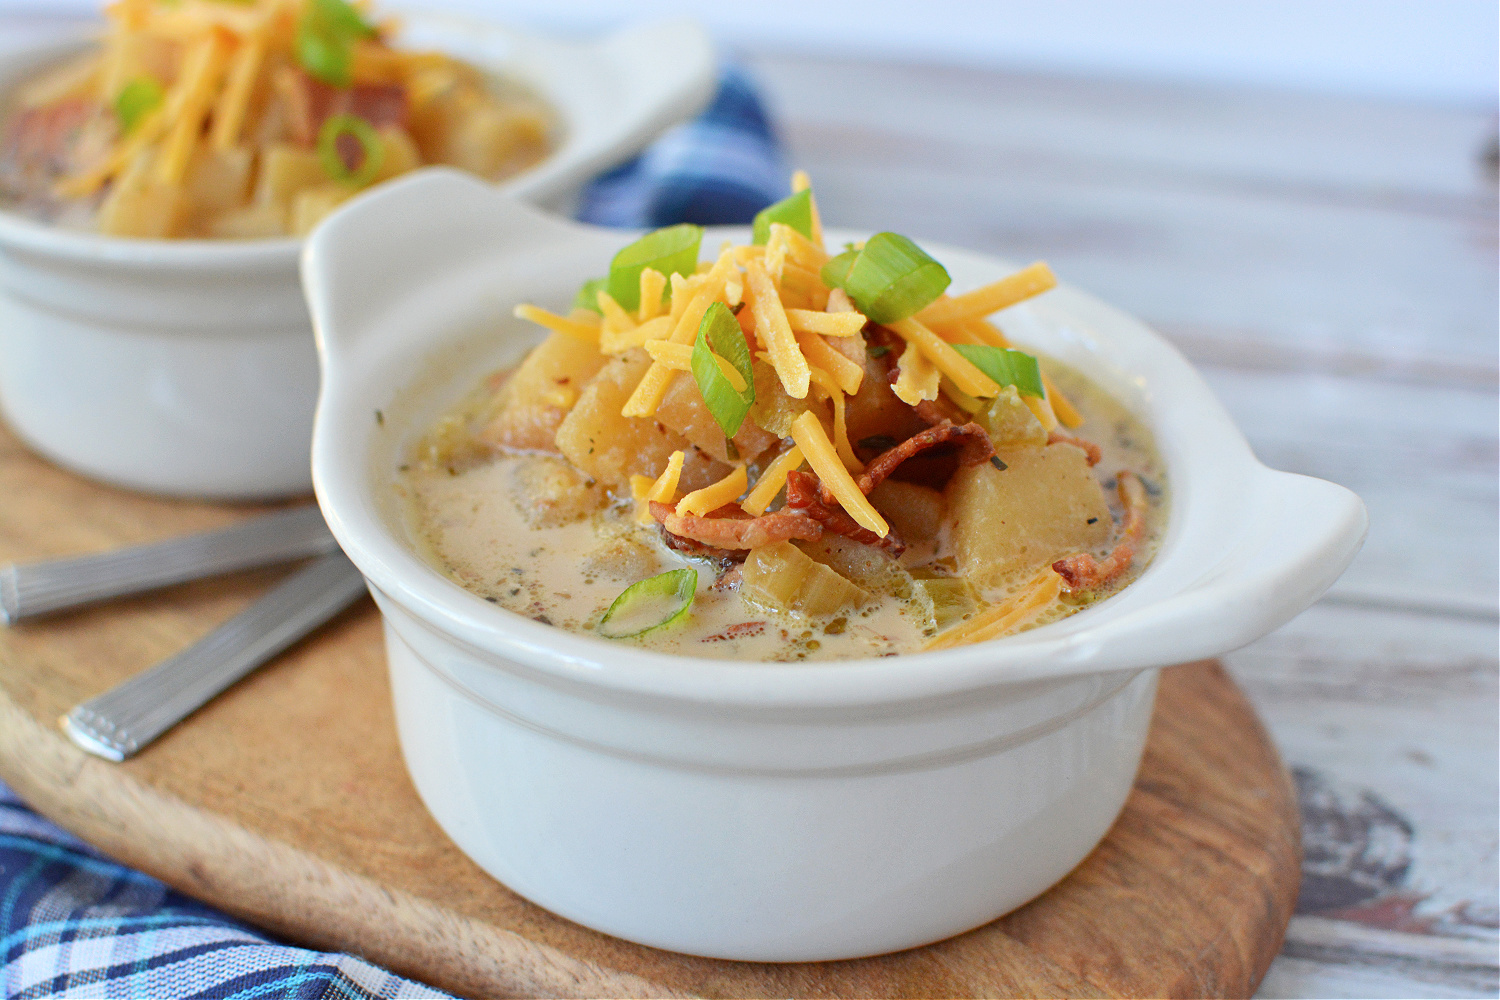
(42, 587)
(116, 724)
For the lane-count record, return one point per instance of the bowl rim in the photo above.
(199, 255)
(345, 487)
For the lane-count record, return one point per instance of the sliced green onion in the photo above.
(588, 295)
(136, 100)
(720, 340)
(332, 159)
(892, 278)
(649, 604)
(1006, 367)
(836, 271)
(325, 40)
(795, 211)
(673, 250)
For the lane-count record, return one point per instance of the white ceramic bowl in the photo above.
(187, 366)
(767, 811)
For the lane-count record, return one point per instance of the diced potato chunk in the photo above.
(782, 577)
(682, 409)
(875, 411)
(1010, 422)
(868, 566)
(218, 179)
(773, 410)
(254, 222)
(532, 403)
(915, 511)
(549, 492)
(286, 169)
(1045, 505)
(140, 205)
(311, 205)
(401, 153)
(612, 448)
(944, 601)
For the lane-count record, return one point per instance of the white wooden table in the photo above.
(1330, 266)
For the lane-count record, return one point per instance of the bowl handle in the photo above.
(364, 257)
(1298, 536)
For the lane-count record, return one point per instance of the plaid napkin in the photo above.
(75, 924)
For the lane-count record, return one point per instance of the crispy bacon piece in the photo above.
(802, 494)
(977, 448)
(1083, 571)
(738, 532)
(1090, 448)
(932, 411)
(312, 102)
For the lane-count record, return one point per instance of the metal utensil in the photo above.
(41, 587)
(118, 723)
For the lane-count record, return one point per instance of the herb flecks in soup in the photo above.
(850, 461)
(247, 120)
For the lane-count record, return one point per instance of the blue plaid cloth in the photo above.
(75, 924)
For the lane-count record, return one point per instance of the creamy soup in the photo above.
(886, 510)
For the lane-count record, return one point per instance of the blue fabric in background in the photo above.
(75, 924)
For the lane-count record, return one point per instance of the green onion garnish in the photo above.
(1006, 367)
(890, 279)
(325, 40)
(673, 250)
(588, 295)
(720, 340)
(649, 604)
(795, 211)
(136, 100)
(836, 271)
(332, 159)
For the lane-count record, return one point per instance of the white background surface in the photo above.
(1443, 51)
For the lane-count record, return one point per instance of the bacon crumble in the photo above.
(1083, 571)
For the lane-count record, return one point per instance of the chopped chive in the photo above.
(877, 442)
(720, 337)
(326, 35)
(878, 351)
(795, 211)
(836, 271)
(649, 604)
(1006, 367)
(891, 278)
(588, 295)
(995, 461)
(136, 100)
(673, 250)
(332, 158)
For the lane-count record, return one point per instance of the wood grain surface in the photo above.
(285, 802)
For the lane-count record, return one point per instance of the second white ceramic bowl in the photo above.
(773, 812)
(187, 366)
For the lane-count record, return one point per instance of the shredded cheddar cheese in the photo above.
(558, 324)
(772, 481)
(715, 495)
(775, 333)
(1002, 618)
(843, 323)
(991, 298)
(1067, 413)
(653, 283)
(846, 373)
(948, 361)
(918, 379)
(831, 390)
(809, 435)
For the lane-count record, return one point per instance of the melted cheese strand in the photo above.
(715, 495)
(1043, 411)
(558, 324)
(1004, 617)
(772, 481)
(234, 102)
(810, 436)
(960, 369)
(991, 298)
(678, 357)
(200, 77)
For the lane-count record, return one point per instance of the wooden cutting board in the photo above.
(285, 802)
